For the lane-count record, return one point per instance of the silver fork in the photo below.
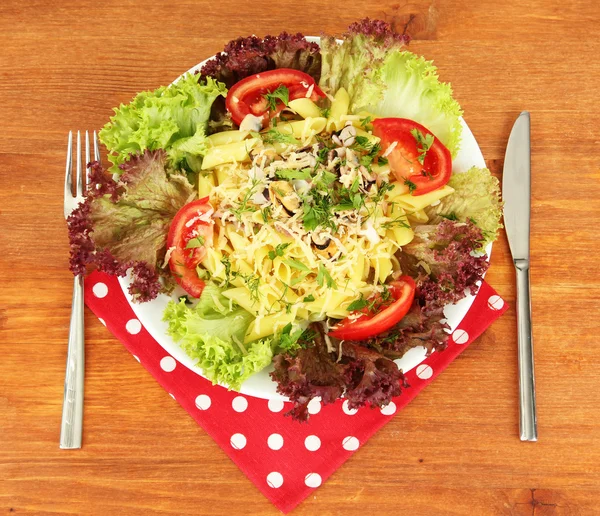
(72, 416)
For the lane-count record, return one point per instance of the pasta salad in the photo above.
(297, 202)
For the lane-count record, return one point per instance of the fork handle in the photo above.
(72, 415)
(527, 412)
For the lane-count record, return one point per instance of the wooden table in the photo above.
(455, 449)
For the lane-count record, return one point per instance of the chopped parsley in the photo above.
(293, 173)
(195, 242)
(364, 122)
(309, 299)
(411, 186)
(279, 250)
(318, 212)
(425, 143)
(266, 213)
(357, 304)
(449, 216)
(288, 339)
(281, 93)
(323, 276)
(295, 264)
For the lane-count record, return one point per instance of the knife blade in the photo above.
(516, 191)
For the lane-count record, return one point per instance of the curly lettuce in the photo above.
(476, 198)
(124, 224)
(242, 57)
(363, 375)
(212, 333)
(385, 79)
(173, 118)
(446, 261)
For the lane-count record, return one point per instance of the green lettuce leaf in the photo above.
(173, 118)
(476, 198)
(212, 333)
(383, 78)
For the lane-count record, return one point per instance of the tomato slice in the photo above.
(247, 97)
(368, 325)
(436, 169)
(191, 232)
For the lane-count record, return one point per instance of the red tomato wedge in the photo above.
(247, 97)
(410, 139)
(369, 325)
(191, 232)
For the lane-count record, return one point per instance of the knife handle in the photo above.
(527, 410)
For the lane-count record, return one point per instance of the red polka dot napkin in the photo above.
(286, 460)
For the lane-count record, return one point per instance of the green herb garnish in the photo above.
(279, 250)
(276, 136)
(449, 216)
(195, 242)
(357, 304)
(295, 264)
(292, 173)
(309, 299)
(364, 122)
(425, 143)
(324, 276)
(411, 186)
(281, 93)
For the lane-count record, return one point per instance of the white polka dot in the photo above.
(136, 357)
(389, 409)
(102, 321)
(275, 441)
(312, 480)
(347, 410)
(203, 402)
(314, 406)
(239, 404)
(100, 290)
(275, 479)
(312, 443)
(167, 364)
(424, 372)
(275, 405)
(172, 396)
(460, 336)
(495, 303)
(133, 326)
(238, 441)
(350, 443)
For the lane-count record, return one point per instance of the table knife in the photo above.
(516, 191)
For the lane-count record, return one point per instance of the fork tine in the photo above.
(96, 148)
(68, 179)
(87, 160)
(79, 178)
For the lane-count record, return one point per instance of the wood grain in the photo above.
(455, 449)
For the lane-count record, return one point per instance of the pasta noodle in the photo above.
(339, 108)
(306, 108)
(267, 254)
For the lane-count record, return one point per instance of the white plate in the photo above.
(260, 385)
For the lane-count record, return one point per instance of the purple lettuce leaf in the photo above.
(242, 57)
(124, 224)
(415, 329)
(446, 261)
(362, 375)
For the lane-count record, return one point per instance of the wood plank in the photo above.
(455, 449)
